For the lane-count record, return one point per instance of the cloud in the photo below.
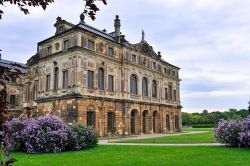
(209, 40)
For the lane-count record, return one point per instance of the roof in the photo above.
(9, 64)
(96, 31)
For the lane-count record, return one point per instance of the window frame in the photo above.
(90, 85)
(110, 83)
(93, 44)
(65, 80)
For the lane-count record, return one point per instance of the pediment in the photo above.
(144, 48)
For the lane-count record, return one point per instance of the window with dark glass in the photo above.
(111, 122)
(134, 57)
(154, 88)
(144, 86)
(13, 79)
(173, 73)
(90, 44)
(166, 93)
(111, 83)
(110, 51)
(65, 79)
(47, 83)
(165, 70)
(66, 44)
(12, 100)
(56, 78)
(91, 118)
(154, 65)
(170, 92)
(90, 79)
(101, 78)
(175, 97)
(49, 50)
(133, 84)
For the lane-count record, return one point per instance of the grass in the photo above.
(206, 137)
(197, 129)
(140, 156)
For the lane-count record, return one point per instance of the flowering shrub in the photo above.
(228, 132)
(81, 137)
(13, 135)
(245, 134)
(48, 134)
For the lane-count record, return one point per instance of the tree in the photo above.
(90, 7)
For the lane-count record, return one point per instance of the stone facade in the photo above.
(14, 88)
(86, 75)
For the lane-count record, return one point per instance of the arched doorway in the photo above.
(176, 123)
(145, 121)
(168, 122)
(133, 120)
(111, 122)
(155, 122)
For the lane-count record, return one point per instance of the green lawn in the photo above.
(140, 156)
(206, 137)
(197, 129)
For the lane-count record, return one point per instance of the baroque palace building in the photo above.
(86, 75)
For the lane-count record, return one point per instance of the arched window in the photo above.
(133, 84)
(101, 78)
(154, 88)
(144, 86)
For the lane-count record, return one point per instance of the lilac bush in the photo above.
(245, 134)
(45, 134)
(48, 134)
(81, 137)
(228, 132)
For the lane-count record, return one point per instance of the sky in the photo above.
(208, 39)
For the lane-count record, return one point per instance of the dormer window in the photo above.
(66, 44)
(134, 58)
(110, 51)
(90, 44)
(49, 50)
(60, 29)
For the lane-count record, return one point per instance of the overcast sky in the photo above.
(208, 39)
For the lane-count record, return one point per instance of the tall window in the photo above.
(49, 50)
(166, 93)
(13, 100)
(91, 118)
(13, 79)
(110, 51)
(175, 97)
(170, 92)
(65, 79)
(90, 44)
(133, 84)
(154, 88)
(66, 44)
(111, 83)
(90, 79)
(134, 58)
(47, 83)
(56, 74)
(144, 86)
(101, 78)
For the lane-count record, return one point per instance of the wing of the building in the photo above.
(87, 75)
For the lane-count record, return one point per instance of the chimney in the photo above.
(117, 26)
